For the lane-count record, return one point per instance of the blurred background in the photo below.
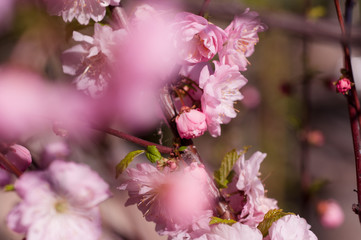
(291, 110)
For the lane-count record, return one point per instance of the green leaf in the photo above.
(271, 217)
(153, 154)
(123, 164)
(221, 175)
(216, 220)
(182, 148)
(9, 188)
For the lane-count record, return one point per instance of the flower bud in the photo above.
(331, 214)
(343, 86)
(191, 123)
(19, 156)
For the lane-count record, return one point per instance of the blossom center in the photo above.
(61, 206)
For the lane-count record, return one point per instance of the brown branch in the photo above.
(352, 99)
(136, 140)
(9, 166)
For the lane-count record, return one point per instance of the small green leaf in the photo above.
(9, 188)
(182, 148)
(123, 164)
(221, 175)
(216, 220)
(271, 217)
(153, 154)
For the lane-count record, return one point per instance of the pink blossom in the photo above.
(82, 10)
(291, 227)
(220, 91)
(19, 156)
(59, 203)
(241, 39)
(176, 201)
(191, 123)
(343, 86)
(250, 204)
(331, 214)
(237, 231)
(198, 40)
(90, 61)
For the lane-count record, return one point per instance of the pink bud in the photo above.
(331, 214)
(191, 123)
(343, 86)
(19, 156)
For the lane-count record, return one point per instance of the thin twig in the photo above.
(9, 166)
(133, 139)
(352, 99)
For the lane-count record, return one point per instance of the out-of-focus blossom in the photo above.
(22, 105)
(19, 156)
(82, 10)
(191, 123)
(291, 227)
(176, 201)
(145, 62)
(5, 177)
(198, 39)
(237, 231)
(252, 97)
(220, 91)
(316, 138)
(241, 39)
(54, 151)
(331, 214)
(343, 86)
(59, 203)
(250, 204)
(90, 60)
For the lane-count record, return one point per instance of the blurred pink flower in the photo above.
(241, 39)
(54, 151)
(22, 105)
(19, 156)
(59, 203)
(315, 137)
(198, 40)
(82, 10)
(191, 123)
(331, 214)
(220, 91)
(291, 227)
(237, 231)
(252, 97)
(343, 86)
(144, 63)
(90, 62)
(176, 201)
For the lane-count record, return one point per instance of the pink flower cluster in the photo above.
(152, 49)
(181, 202)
